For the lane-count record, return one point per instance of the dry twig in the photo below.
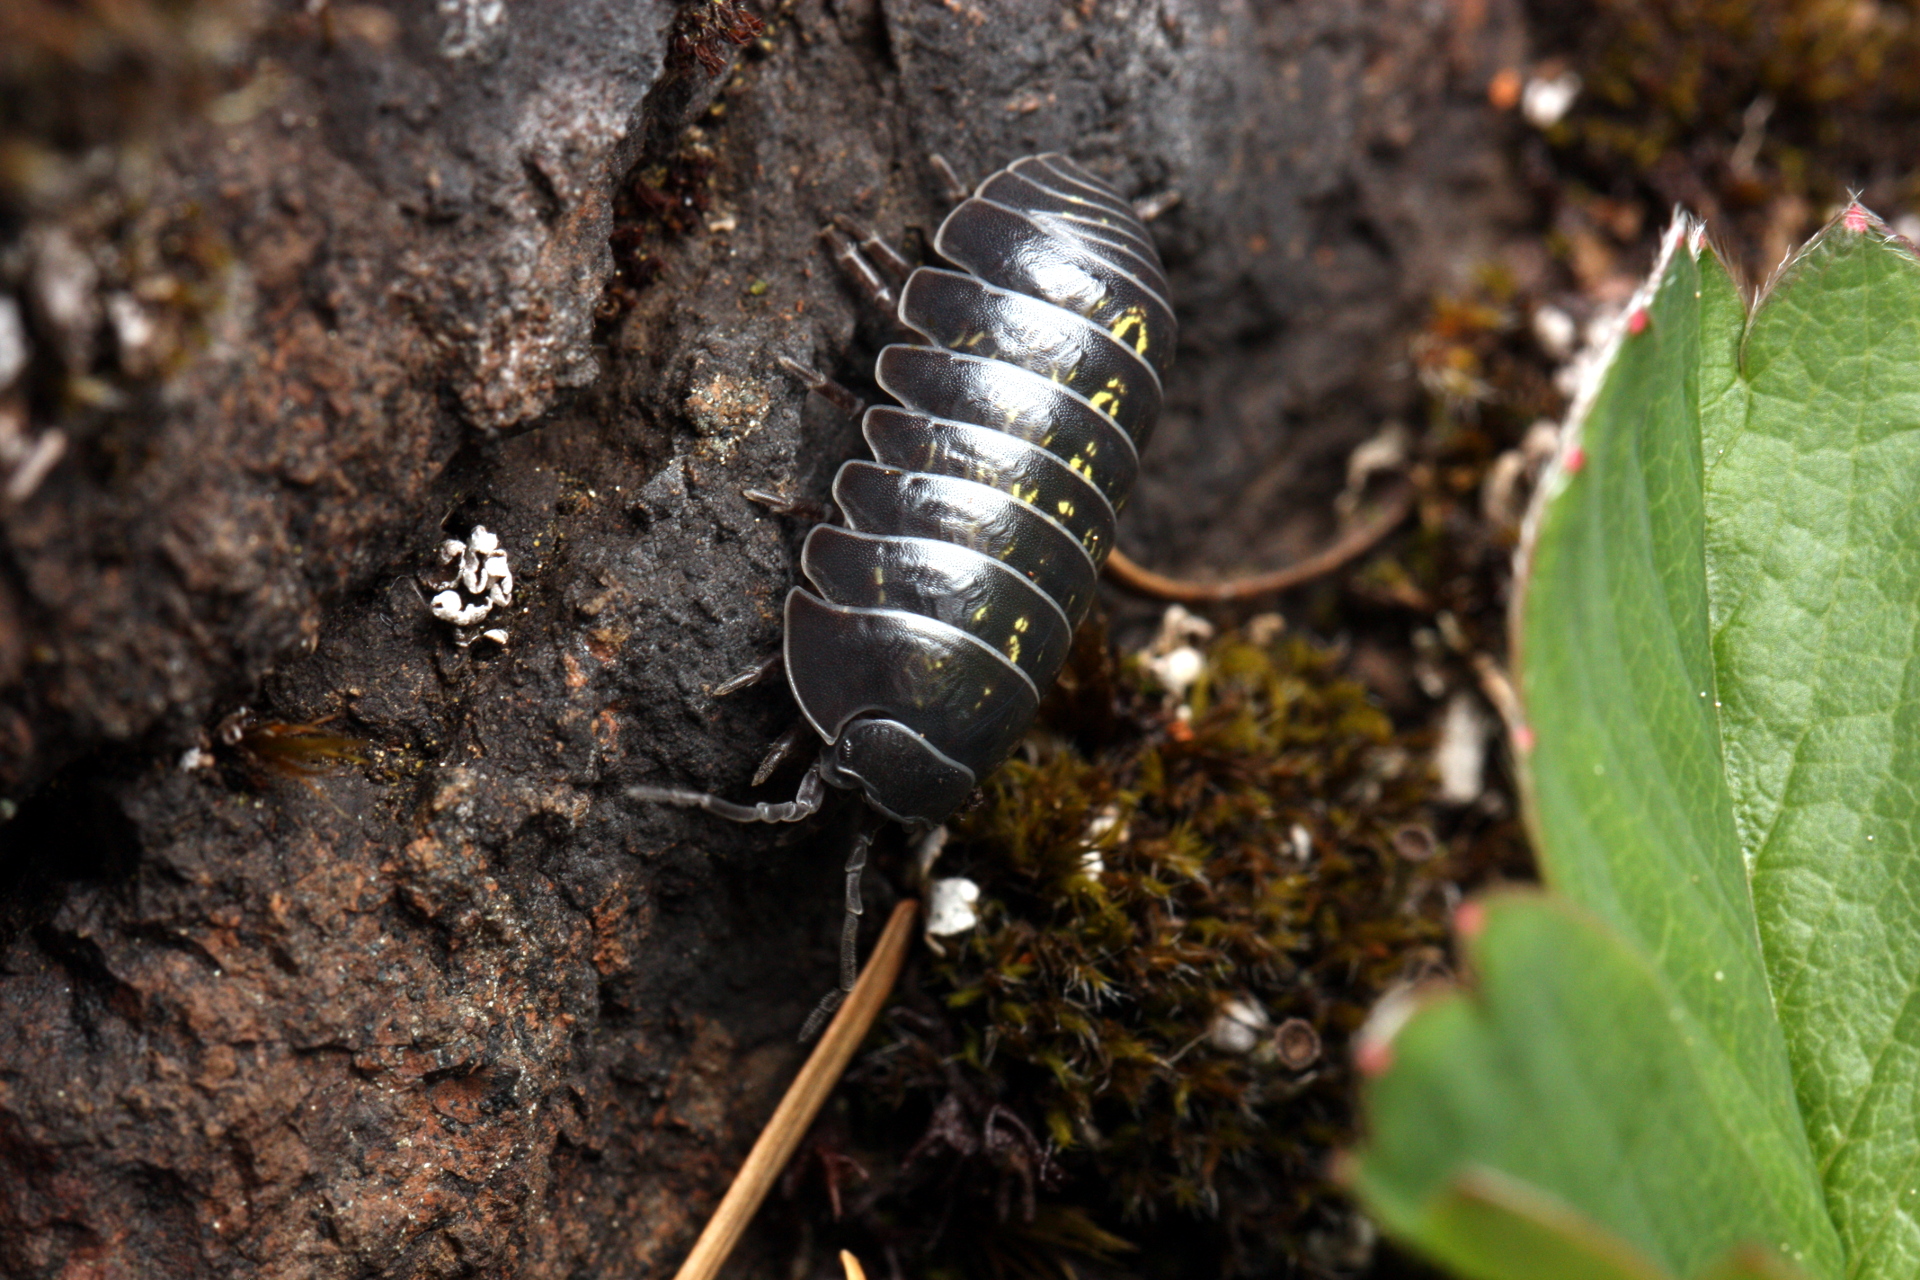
(804, 1099)
(1349, 546)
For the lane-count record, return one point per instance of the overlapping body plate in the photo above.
(942, 612)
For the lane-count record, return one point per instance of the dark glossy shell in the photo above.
(942, 612)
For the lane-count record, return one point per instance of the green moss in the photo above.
(1228, 852)
(1731, 106)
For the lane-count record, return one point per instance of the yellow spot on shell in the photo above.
(1131, 328)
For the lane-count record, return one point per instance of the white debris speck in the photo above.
(1178, 670)
(1172, 657)
(1238, 1026)
(927, 852)
(1555, 331)
(65, 284)
(1264, 628)
(1547, 99)
(195, 758)
(471, 26)
(1099, 827)
(32, 461)
(496, 634)
(1299, 842)
(1540, 443)
(1179, 627)
(13, 342)
(1500, 492)
(950, 906)
(1460, 758)
(133, 328)
(1385, 451)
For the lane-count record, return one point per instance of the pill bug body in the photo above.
(940, 612)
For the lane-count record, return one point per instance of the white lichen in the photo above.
(482, 582)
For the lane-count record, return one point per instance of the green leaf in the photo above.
(1565, 1119)
(1718, 651)
(1813, 553)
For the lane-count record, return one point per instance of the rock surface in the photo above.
(460, 1009)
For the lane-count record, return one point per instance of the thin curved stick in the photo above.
(803, 1100)
(1127, 575)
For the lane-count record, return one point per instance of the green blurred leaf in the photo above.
(1564, 1117)
(1718, 650)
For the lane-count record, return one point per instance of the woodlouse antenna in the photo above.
(805, 803)
(827, 389)
(765, 669)
(849, 929)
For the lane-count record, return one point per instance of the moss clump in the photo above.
(1167, 917)
(1761, 112)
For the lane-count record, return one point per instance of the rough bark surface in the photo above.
(462, 1009)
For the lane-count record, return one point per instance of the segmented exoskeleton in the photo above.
(940, 612)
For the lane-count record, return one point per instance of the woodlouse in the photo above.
(941, 610)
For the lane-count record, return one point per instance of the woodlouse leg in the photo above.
(875, 247)
(781, 504)
(954, 189)
(849, 931)
(780, 752)
(864, 273)
(824, 387)
(1147, 208)
(805, 803)
(751, 676)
